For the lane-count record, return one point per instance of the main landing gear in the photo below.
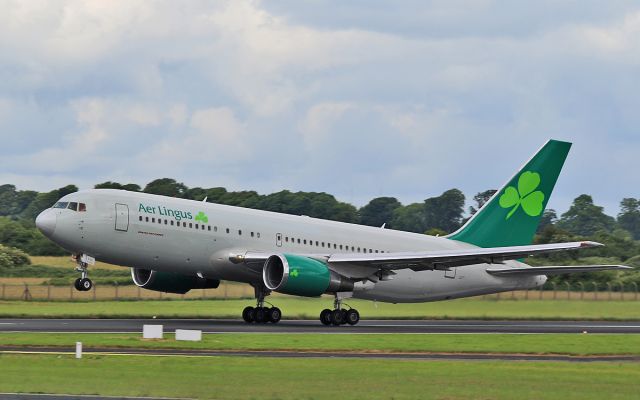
(339, 316)
(82, 284)
(260, 313)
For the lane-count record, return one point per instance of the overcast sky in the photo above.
(359, 99)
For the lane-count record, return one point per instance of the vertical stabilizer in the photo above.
(512, 215)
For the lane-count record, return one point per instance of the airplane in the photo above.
(174, 245)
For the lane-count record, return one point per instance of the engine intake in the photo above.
(302, 276)
(170, 282)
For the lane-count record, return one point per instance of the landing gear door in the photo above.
(122, 217)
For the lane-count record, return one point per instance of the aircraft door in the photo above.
(279, 239)
(122, 217)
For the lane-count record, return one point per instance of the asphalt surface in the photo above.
(314, 326)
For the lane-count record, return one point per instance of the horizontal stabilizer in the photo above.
(553, 270)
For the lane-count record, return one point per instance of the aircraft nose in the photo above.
(46, 222)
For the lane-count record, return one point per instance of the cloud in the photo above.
(353, 99)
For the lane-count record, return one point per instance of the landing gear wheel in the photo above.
(337, 317)
(76, 284)
(353, 316)
(248, 314)
(274, 314)
(86, 284)
(260, 315)
(325, 317)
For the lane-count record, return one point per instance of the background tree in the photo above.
(549, 217)
(445, 211)
(379, 211)
(585, 218)
(13, 202)
(629, 216)
(481, 199)
(166, 187)
(409, 218)
(132, 187)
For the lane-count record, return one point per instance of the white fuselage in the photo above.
(148, 231)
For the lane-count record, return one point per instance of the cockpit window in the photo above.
(61, 204)
(73, 206)
(82, 207)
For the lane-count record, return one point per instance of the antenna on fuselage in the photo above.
(205, 199)
(383, 225)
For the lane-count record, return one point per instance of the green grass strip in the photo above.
(293, 308)
(273, 378)
(569, 344)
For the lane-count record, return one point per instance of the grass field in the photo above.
(271, 378)
(568, 344)
(310, 308)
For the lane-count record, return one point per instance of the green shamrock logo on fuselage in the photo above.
(202, 217)
(525, 196)
(294, 273)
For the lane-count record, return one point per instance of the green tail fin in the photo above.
(512, 215)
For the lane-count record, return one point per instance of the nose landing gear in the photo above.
(82, 284)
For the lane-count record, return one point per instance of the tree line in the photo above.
(435, 215)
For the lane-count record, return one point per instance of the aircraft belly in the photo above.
(422, 286)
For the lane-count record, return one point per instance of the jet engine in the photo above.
(302, 276)
(170, 282)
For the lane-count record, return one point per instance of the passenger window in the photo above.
(209, 228)
(202, 227)
(166, 222)
(184, 224)
(305, 241)
(227, 230)
(73, 206)
(82, 207)
(322, 244)
(153, 220)
(253, 235)
(196, 226)
(340, 247)
(190, 225)
(140, 218)
(376, 251)
(239, 232)
(258, 235)
(171, 222)
(159, 221)
(215, 229)
(146, 219)
(335, 246)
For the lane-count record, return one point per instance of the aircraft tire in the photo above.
(248, 314)
(86, 284)
(261, 315)
(274, 314)
(325, 317)
(353, 316)
(337, 317)
(76, 284)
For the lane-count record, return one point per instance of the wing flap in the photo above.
(559, 270)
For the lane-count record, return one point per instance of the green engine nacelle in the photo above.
(302, 276)
(170, 282)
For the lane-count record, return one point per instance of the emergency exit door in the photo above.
(122, 217)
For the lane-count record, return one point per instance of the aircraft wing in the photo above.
(552, 270)
(445, 259)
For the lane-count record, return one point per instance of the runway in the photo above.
(314, 326)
